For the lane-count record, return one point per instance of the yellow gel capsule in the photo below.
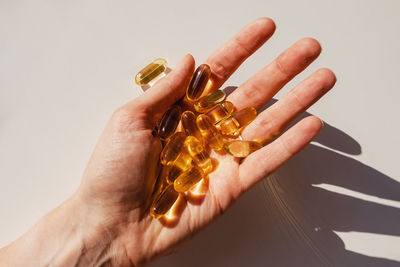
(163, 202)
(173, 148)
(151, 71)
(209, 101)
(198, 82)
(182, 163)
(221, 111)
(188, 179)
(189, 124)
(241, 148)
(169, 122)
(210, 134)
(199, 156)
(231, 126)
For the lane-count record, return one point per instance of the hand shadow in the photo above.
(287, 221)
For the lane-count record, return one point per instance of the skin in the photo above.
(106, 221)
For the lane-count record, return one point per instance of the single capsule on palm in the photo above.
(163, 202)
(198, 154)
(198, 82)
(232, 125)
(210, 134)
(209, 101)
(187, 179)
(241, 148)
(151, 71)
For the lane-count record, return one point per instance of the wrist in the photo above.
(94, 232)
(70, 235)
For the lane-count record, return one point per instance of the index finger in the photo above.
(226, 59)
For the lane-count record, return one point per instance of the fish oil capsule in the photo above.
(163, 202)
(182, 163)
(188, 179)
(241, 148)
(221, 111)
(232, 125)
(169, 122)
(199, 156)
(173, 148)
(210, 134)
(198, 83)
(151, 71)
(189, 124)
(209, 101)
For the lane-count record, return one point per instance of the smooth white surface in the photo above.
(66, 65)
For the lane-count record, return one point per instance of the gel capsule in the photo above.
(188, 179)
(173, 148)
(163, 202)
(189, 124)
(210, 134)
(232, 125)
(199, 156)
(151, 71)
(221, 111)
(182, 163)
(209, 101)
(198, 83)
(241, 148)
(169, 122)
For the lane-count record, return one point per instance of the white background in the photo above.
(66, 65)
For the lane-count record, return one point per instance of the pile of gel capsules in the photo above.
(209, 122)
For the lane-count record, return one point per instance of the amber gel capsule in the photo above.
(232, 125)
(151, 71)
(221, 111)
(163, 202)
(210, 134)
(189, 124)
(188, 179)
(196, 151)
(198, 82)
(241, 148)
(169, 122)
(182, 163)
(173, 148)
(209, 101)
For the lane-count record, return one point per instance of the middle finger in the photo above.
(262, 86)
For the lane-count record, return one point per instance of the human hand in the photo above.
(121, 173)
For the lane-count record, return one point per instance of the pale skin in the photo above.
(106, 222)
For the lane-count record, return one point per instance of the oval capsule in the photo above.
(188, 179)
(209, 101)
(221, 111)
(163, 202)
(232, 125)
(241, 148)
(169, 122)
(182, 163)
(189, 124)
(151, 71)
(200, 157)
(173, 148)
(198, 83)
(210, 134)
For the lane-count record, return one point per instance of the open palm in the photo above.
(122, 171)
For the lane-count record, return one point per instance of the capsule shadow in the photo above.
(172, 217)
(198, 192)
